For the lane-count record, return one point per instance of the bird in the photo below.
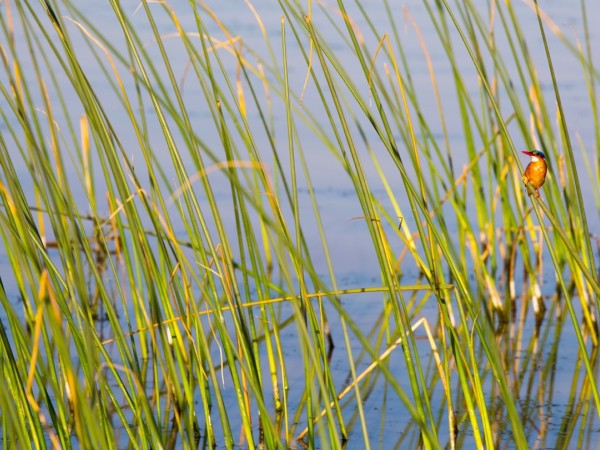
(535, 172)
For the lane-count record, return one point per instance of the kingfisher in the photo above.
(535, 172)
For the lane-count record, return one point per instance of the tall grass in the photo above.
(172, 273)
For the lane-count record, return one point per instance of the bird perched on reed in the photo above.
(535, 172)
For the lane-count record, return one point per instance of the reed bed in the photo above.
(180, 200)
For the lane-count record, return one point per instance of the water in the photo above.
(544, 402)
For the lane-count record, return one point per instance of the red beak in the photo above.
(527, 153)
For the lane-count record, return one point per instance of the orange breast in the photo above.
(536, 173)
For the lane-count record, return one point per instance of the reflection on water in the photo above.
(534, 332)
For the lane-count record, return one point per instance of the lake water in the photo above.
(547, 412)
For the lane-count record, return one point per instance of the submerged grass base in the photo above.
(302, 233)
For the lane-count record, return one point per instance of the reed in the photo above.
(172, 273)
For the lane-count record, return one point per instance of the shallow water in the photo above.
(544, 394)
